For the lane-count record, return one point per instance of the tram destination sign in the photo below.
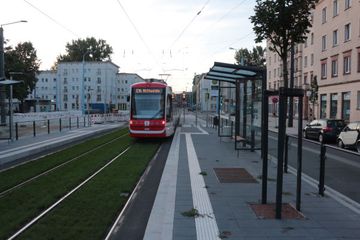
(148, 90)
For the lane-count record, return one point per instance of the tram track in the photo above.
(3, 193)
(46, 211)
(16, 175)
(90, 209)
(23, 203)
(27, 205)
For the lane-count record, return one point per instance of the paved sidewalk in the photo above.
(16, 151)
(190, 186)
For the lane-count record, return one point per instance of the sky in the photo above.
(168, 39)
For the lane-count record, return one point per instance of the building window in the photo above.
(333, 105)
(347, 4)
(347, 32)
(98, 98)
(334, 68)
(323, 106)
(323, 15)
(335, 8)
(98, 80)
(358, 100)
(347, 64)
(323, 43)
(323, 70)
(335, 38)
(358, 67)
(312, 59)
(305, 61)
(312, 39)
(345, 106)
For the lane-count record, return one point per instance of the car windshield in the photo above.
(337, 124)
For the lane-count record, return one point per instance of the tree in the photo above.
(282, 23)
(100, 51)
(23, 61)
(256, 57)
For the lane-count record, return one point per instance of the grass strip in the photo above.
(16, 175)
(88, 213)
(23, 204)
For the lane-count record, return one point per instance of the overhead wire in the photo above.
(139, 34)
(189, 24)
(51, 18)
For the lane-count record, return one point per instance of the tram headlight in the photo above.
(131, 122)
(163, 122)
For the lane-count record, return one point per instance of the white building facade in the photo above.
(103, 90)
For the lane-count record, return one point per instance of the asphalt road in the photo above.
(342, 167)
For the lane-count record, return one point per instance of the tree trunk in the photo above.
(291, 99)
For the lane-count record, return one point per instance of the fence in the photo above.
(46, 124)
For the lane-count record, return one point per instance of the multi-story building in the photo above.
(206, 93)
(103, 88)
(331, 54)
(124, 81)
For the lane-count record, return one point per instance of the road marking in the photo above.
(329, 156)
(161, 221)
(206, 226)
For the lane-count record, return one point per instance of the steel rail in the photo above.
(132, 196)
(65, 196)
(3, 193)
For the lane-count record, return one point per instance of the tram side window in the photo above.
(168, 107)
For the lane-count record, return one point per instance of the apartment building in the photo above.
(104, 89)
(206, 93)
(124, 81)
(331, 54)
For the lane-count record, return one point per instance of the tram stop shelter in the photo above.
(247, 84)
(251, 119)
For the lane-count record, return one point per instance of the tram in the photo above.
(151, 110)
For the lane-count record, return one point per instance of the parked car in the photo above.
(324, 130)
(350, 136)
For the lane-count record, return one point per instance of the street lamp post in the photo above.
(241, 56)
(88, 105)
(2, 72)
(83, 82)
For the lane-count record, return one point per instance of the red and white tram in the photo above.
(151, 110)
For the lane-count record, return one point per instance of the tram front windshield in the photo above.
(148, 103)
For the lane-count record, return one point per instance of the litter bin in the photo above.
(215, 121)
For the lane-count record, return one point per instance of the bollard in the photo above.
(60, 124)
(16, 131)
(286, 154)
(48, 126)
(34, 129)
(69, 123)
(252, 140)
(77, 122)
(322, 170)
